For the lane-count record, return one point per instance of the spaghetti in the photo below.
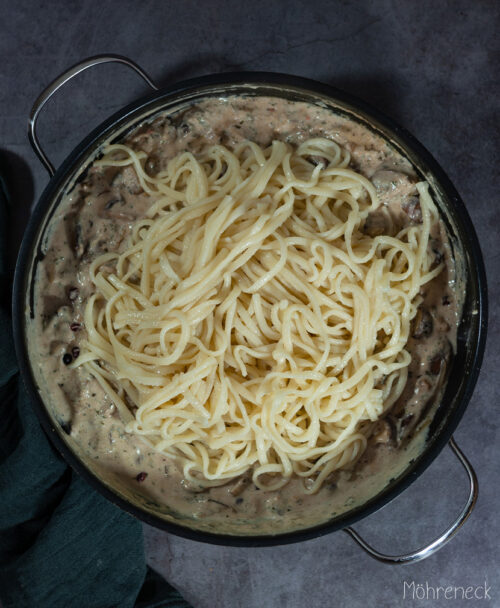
(248, 323)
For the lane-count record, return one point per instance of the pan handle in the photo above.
(58, 83)
(446, 536)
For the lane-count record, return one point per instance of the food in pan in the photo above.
(242, 303)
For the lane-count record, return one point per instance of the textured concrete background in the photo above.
(433, 66)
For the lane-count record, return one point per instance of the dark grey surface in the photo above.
(431, 65)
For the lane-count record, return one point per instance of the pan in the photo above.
(464, 366)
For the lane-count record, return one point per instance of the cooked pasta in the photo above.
(249, 323)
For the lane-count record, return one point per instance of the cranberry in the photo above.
(66, 427)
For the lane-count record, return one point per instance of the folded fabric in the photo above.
(62, 545)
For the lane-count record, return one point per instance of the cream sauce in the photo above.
(97, 215)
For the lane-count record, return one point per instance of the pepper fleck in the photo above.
(67, 358)
(141, 476)
(75, 351)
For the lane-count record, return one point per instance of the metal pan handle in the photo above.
(58, 83)
(446, 536)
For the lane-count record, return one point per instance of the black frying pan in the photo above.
(471, 334)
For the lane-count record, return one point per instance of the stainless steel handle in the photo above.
(446, 536)
(59, 82)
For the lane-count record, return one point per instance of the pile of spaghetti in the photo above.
(248, 323)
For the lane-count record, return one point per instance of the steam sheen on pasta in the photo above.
(248, 324)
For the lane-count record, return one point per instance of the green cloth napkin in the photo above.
(62, 545)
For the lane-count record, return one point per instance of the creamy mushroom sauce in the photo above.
(96, 216)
